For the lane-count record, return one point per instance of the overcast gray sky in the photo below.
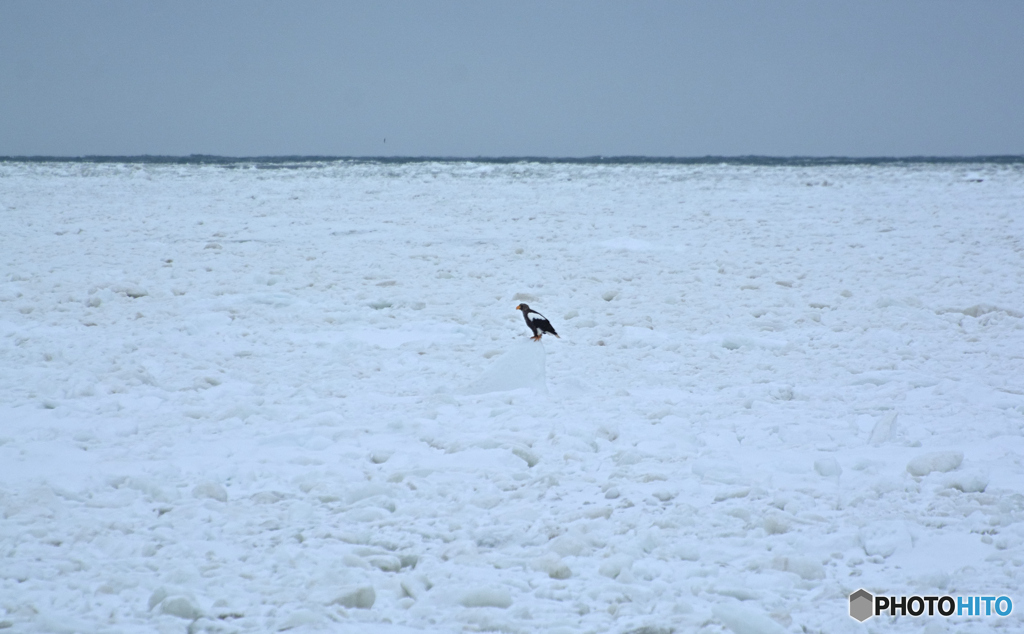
(481, 78)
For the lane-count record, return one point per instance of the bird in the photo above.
(538, 323)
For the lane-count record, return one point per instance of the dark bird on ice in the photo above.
(538, 323)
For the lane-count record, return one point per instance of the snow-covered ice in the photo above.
(248, 400)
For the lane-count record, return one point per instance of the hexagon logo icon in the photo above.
(861, 605)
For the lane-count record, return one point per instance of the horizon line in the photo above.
(744, 159)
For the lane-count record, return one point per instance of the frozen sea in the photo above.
(237, 399)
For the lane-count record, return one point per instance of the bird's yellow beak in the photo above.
(519, 306)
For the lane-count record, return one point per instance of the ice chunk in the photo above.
(414, 587)
(735, 341)
(147, 488)
(828, 467)
(368, 490)
(386, 563)
(884, 430)
(807, 568)
(776, 524)
(299, 618)
(157, 597)
(569, 545)
(528, 456)
(553, 566)
(885, 538)
(967, 482)
(210, 490)
(486, 598)
(380, 456)
(181, 607)
(983, 309)
(746, 620)
(362, 597)
(935, 461)
(688, 552)
(737, 592)
(615, 565)
(521, 367)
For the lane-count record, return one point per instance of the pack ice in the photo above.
(255, 399)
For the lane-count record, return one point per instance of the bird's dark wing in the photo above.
(539, 322)
(532, 315)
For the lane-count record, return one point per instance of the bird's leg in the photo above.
(535, 337)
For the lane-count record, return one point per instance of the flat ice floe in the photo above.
(252, 400)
